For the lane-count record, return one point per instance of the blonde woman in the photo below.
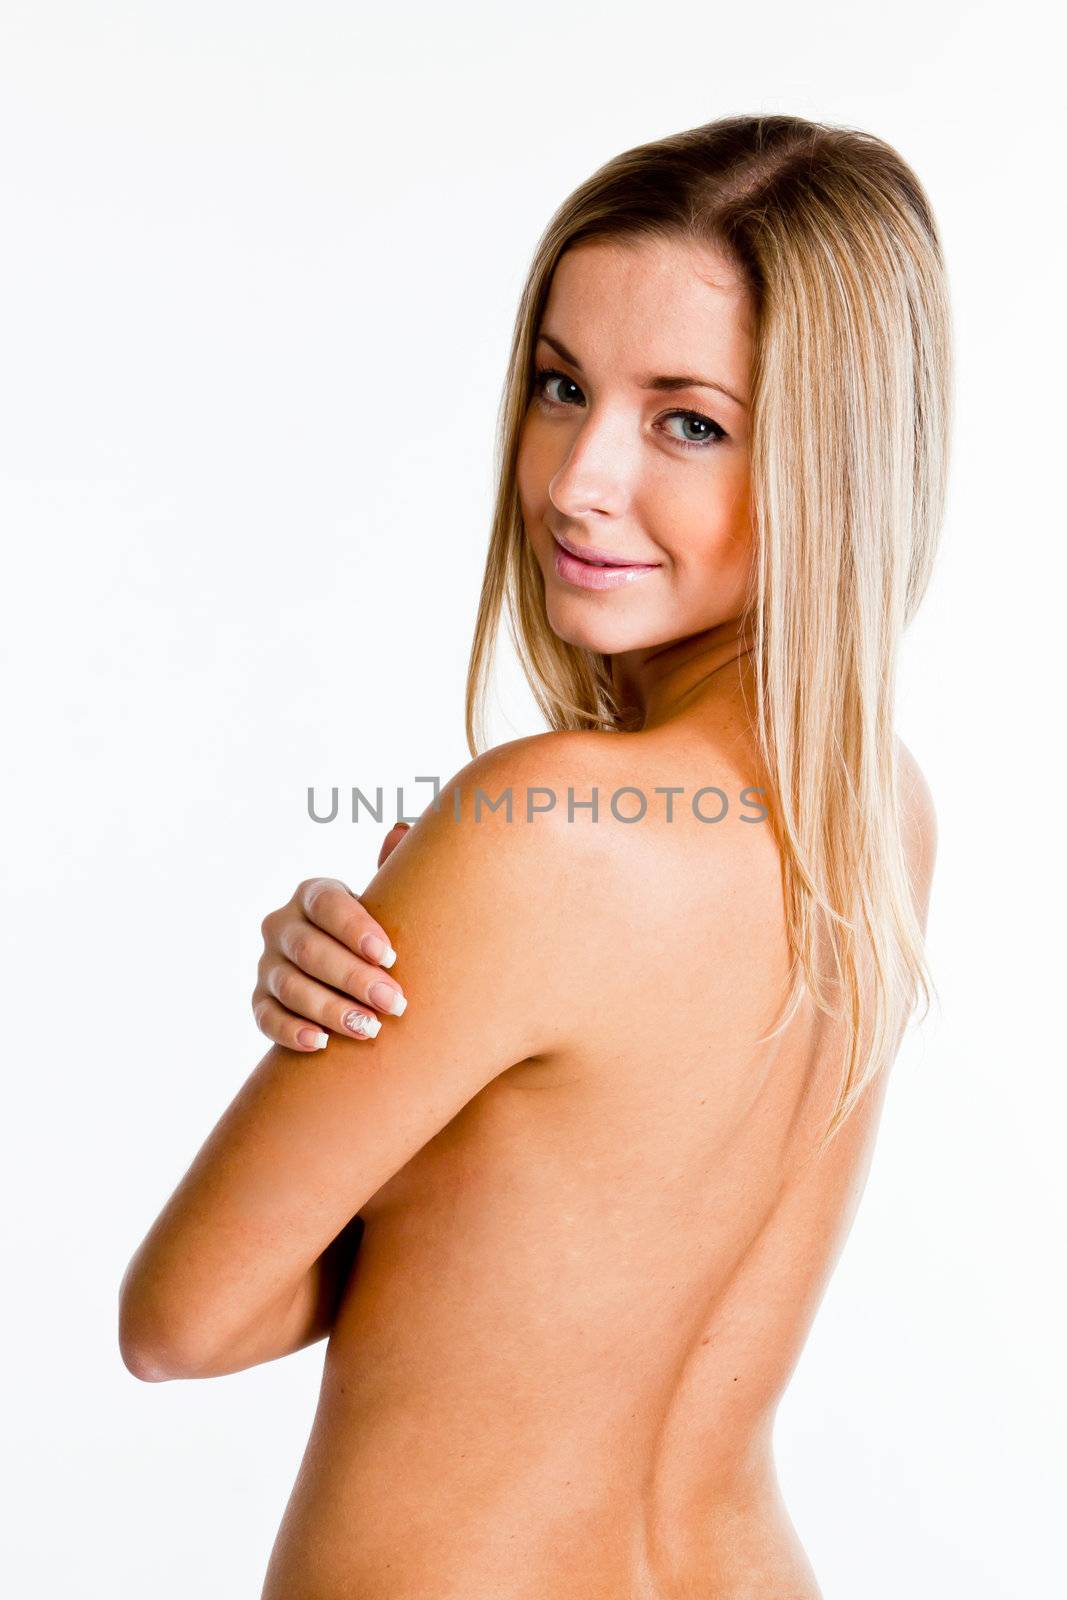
(565, 1211)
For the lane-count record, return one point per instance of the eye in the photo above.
(697, 419)
(545, 375)
(712, 433)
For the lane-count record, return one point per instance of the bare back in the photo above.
(556, 1366)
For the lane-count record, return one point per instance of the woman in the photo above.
(567, 1215)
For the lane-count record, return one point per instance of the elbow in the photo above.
(143, 1365)
(148, 1348)
(153, 1360)
(143, 1356)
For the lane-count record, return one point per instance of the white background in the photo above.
(257, 281)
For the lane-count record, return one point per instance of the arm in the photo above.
(310, 1138)
(324, 924)
(296, 1321)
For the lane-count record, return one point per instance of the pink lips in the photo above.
(573, 569)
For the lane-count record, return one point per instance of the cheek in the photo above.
(532, 468)
(740, 507)
(705, 516)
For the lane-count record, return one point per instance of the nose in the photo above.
(595, 475)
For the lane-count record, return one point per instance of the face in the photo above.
(617, 463)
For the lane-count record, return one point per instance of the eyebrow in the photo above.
(650, 383)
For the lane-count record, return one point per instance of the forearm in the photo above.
(300, 1317)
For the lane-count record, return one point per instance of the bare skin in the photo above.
(554, 1372)
(555, 1357)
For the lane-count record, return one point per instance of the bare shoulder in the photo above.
(612, 934)
(509, 828)
(526, 785)
(491, 903)
(669, 910)
(919, 817)
(559, 757)
(664, 847)
(630, 779)
(915, 790)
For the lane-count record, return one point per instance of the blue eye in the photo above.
(546, 375)
(704, 422)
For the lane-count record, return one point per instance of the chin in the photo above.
(575, 624)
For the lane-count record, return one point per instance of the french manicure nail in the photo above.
(376, 949)
(312, 1038)
(390, 999)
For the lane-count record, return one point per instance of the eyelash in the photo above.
(543, 374)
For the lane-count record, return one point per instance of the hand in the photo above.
(313, 965)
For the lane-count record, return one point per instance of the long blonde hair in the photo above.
(851, 416)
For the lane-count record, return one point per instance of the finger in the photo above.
(321, 957)
(335, 909)
(391, 840)
(314, 1002)
(281, 1026)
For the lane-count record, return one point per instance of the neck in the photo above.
(662, 682)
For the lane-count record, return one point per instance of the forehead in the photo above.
(659, 302)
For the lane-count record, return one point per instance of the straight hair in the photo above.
(851, 416)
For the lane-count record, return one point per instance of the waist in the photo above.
(402, 1502)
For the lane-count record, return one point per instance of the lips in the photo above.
(581, 573)
(595, 557)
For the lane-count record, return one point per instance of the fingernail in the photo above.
(312, 1039)
(390, 999)
(359, 1022)
(376, 949)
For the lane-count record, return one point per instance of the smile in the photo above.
(585, 574)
